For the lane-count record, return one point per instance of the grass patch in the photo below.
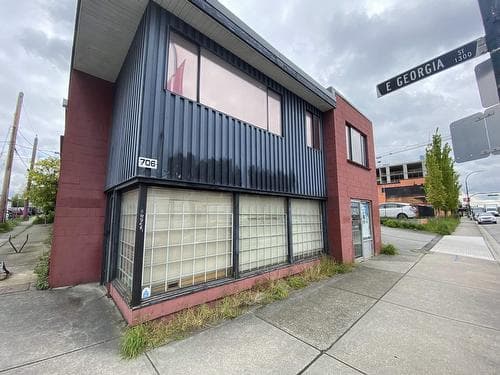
(389, 249)
(42, 271)
(149, 335)
(444, 226)
(8, 225)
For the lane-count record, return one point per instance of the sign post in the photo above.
(438, 64)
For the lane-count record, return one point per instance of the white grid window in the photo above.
(307, 228)
(126, 246)
(263, 234)
(188, 238)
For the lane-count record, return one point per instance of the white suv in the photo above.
(398, 210)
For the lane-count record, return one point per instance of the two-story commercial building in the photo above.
(197, 160)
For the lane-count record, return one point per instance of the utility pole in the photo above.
(490, 13)
(28, 185)
(10, 156)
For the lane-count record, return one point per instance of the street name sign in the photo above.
(457, 56)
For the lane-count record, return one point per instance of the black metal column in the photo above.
(324, 225)
(236, 235)
(289, 229)
(490, 12)
(139, 246)
(115, 233)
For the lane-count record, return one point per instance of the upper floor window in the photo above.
(182, 77)
(312, 131)
(221, 85)
(356, 146)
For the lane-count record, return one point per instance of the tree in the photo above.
(44, 179)
(441, 182)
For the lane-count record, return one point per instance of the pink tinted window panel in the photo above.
(309, 129)
(182, 73)
(231, 91)
(274, 112)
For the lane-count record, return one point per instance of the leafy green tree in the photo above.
(441, 182)
(44, 179)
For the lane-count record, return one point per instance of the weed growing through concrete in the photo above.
(42, 272)
(389, 249)
(149, 335)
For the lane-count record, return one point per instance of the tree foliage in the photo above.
(441, 182)
(44, 179)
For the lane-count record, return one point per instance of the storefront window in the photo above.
(126, 244)
(307, 228)
(263, 234)
(188, 239)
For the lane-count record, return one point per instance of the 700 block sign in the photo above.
(458, 55)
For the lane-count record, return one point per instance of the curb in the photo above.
(429, 245)
(492, 244)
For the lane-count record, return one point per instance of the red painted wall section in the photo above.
(81, 203)
(346, 181)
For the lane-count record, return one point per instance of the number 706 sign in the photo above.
(148, 163)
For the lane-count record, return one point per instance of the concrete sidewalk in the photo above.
(416, 313)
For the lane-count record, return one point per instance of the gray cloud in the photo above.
(355, 45)
(38, 44)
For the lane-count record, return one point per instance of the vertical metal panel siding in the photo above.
(194, 143)
(127, 111)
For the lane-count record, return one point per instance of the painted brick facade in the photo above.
(80, 207)
(346, 181)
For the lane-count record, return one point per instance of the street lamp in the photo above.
(467, 188)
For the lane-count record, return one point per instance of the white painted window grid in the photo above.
(263, 233)
(307, 228)
(126, 245)
(215, 261)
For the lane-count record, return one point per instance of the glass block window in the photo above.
(307, 228)
(126, 244)
(188, 238)
(263, 234)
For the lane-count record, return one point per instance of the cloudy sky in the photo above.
(350, 45)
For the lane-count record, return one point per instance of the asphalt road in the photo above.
(494, 230)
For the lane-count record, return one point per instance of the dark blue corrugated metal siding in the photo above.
(197, 144)
(127, 111)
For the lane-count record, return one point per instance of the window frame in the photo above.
(363, 145)
(268, 89)
(316, 135)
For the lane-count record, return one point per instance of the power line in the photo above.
(20, 158)
(410, 148)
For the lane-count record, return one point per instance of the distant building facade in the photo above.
(402, 183)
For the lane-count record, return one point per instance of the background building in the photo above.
(401, 183)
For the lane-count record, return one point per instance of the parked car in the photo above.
(476, 211)
(492, 210)
(398, 210)
(486, 217)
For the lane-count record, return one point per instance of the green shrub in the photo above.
(442, 226)
(8, 225)
(45, 218)
(389, 249)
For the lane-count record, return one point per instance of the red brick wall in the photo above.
(80, 206)
(346, 181)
